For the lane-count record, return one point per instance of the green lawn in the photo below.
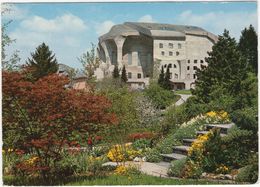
(187, 92)
(138, 180)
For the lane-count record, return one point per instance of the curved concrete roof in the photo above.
(155, 30)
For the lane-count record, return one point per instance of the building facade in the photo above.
(139, 45)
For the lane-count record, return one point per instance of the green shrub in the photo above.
(159, 96)
(248, 173)
(176, 168)
(153, 155)
(141, 144)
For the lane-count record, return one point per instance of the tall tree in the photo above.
(226, 70)
(167, 77)
(248, 47)
(90, 62)
(123, 75)
(161, 78)
(116, 72)
(43, 62)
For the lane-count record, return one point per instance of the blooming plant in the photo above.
(218, 117)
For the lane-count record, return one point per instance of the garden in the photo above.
(56, 135)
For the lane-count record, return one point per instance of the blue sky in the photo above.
(70, 28)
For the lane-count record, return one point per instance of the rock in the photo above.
(204, 175)
(229, 177)
(137, 159)
(144, 159)
(221, 176)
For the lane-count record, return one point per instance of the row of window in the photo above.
(129, 75)
(176, 76)
(196, 61)
(170, 53)
(170, 45)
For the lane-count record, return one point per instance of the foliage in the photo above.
(141, 144)
(176, 168)
(90, 62)
(116, 72)
(144, 135)
(167, 77)
(226, 69)
(161, 78)
(122, 153)
(192, 170)
(248, 47)
(42, 63)
(123, 75)
(39, 117)
(11, 63)
(248, 173)
(160, 97)
(153, 155)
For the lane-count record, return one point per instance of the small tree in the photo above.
(116, 72)
(167, 82)
(248, 47)
(90, 62)
(123, 75)
(42, 63)
(161, 78)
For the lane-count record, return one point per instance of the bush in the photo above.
(248, 173)
(141, 144)
(153, 155)
(176, 168)
(159, 96)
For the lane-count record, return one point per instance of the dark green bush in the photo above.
(153, 155)
(141, 144)
(248, 173)
(176, 167)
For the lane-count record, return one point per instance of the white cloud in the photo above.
(66, 36)
(104, 27)
(216, 22)
(66, 22)
(146, 18)
(14, 12)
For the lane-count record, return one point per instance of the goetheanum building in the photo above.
(139, 45)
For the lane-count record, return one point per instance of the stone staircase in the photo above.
(181, 151)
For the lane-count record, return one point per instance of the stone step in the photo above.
(205, 132)
(223, 127)
(182, 149)
(188, 141)
(172, 156)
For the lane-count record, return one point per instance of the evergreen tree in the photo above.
(167, 77)
(43, 62)
(248, 47)
(161, 78)
(116, 72)
(225, 71)
(123, 75)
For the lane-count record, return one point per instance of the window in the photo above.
(129, 75)
(170, 53)
(129, 58)
(170, 45)
(194, 76)
(165, 65)
(139, 59)
(201, 61)
(177, 53)
(170, 75)
(188, 61)
(160, 45)
(170, 65)
(195, 61)
(176, 76)
(162, 53)
(174, 66)
(179, 46)
(188, 67)
(195, 68)
(139, 75)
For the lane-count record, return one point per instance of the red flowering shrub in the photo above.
(144, 135)
(42, 117)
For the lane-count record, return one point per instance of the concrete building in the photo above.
(139, 45)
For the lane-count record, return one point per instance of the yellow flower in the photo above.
(120, 170)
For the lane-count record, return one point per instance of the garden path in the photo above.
(183, 99)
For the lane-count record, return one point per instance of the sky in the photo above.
(70, 28)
